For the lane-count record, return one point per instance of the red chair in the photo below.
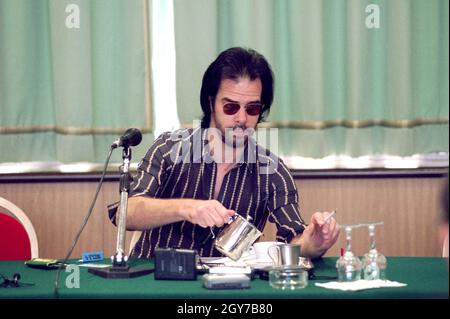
(18, 240)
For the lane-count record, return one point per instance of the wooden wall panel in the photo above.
(57, 211)
(408, 206)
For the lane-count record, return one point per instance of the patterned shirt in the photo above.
(177, 165)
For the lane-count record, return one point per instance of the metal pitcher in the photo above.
(237, 237)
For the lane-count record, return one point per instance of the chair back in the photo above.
(18, 240)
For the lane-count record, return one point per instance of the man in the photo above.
(192, 181)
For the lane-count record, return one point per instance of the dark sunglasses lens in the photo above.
(254, 109)
(231, 108)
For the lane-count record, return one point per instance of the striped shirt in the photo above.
(177, 166)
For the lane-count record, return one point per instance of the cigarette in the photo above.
(329, 216)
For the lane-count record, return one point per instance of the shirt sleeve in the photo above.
(151, 173)
(283, 204)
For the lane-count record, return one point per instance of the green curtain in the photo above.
(341, 88)
(66, 92)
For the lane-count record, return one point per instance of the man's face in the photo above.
(235, 128)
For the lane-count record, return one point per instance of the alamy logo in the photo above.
(73, 17)
(73, 279)
(196, 147)
(373, 17)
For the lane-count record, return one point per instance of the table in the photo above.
(426, 277)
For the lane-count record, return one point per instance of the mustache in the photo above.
(239, 129)
(242, 127)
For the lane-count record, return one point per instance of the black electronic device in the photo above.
(14, 282)
(171, 263)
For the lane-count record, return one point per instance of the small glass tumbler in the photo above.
(288, 277)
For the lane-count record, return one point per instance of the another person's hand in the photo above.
(208, 213)
(319, 235)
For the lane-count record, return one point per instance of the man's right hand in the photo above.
(207, 213)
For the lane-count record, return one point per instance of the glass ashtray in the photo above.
(288, 277)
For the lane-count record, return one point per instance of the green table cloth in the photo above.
(426, 277)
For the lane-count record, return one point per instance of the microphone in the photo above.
(120, 267)
(131, 137)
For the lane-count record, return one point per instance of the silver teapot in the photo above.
(237, 237)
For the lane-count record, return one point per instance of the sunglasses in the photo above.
(252, 109)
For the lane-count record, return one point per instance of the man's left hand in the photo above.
(319, 235)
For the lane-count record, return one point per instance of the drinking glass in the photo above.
(374, 263)
(349, 266)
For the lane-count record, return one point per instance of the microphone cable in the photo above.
(63, 263)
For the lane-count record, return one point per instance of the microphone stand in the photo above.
(120, 268)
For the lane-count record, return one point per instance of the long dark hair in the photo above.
(232, 64)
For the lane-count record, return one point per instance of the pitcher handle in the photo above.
(232, 218)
